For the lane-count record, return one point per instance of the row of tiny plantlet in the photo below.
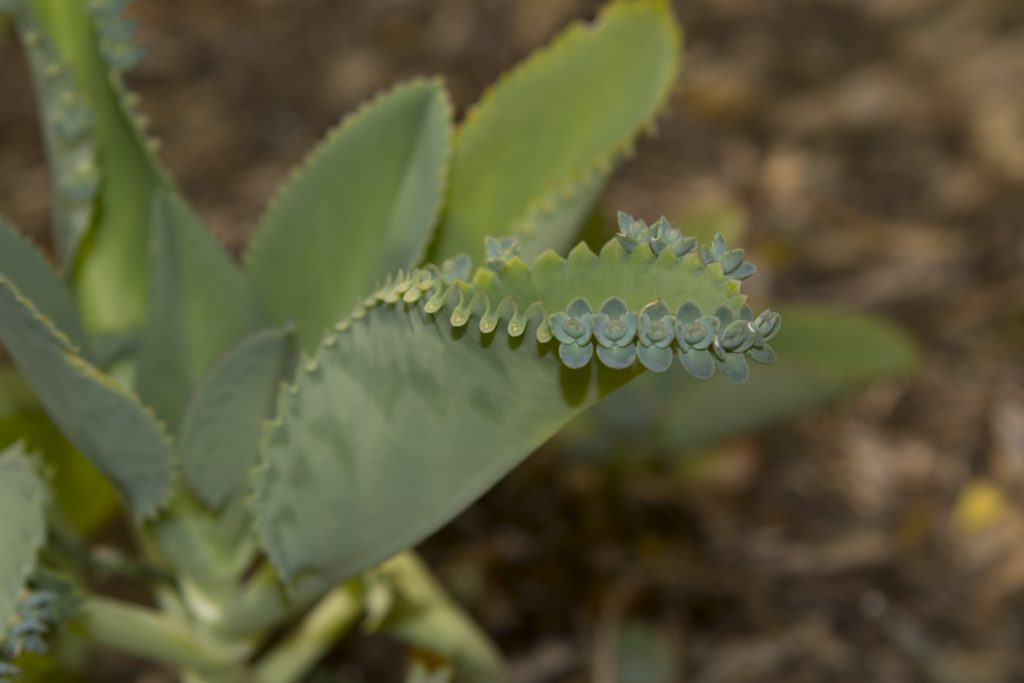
(620, 337)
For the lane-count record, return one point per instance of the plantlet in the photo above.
(280, 433)
(826, 354)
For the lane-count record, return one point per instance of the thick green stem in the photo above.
(145, 633)
(318, 632)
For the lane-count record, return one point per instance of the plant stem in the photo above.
(318, 632)
(145, 633)
(264, 603)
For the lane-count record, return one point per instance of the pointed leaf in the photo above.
(402, 420)
(220, 431)
(200, 304)
(362, 204)
(67, 125)
(28, 269)
(102, 418)
(84, 497)
(111, 281)
(22, 527)
(536, 150)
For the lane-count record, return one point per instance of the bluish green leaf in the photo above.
(102, 418)
(412, 409)
(28, 269)
(361, 205)
(200, 304)
(220, 433)
(22, 526)
(67, 125)
(84, 497)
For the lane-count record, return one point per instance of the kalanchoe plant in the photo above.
(281, 433)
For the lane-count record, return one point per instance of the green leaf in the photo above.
(28, 269)
(22, 527)
(102, 418)
(824, 355)
(200, 304)
(413, 409)
(220, 433)
(536, 150)
(111, 281)
(84, 497)
(362, 204)
(67, 124)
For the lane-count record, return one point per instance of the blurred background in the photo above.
(862, 518)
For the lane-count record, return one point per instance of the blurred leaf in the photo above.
(643, 655)
(67, 126)
(111, 281)
(220, 433)
(538, 147)
(200, 304)
(97, 414)
(25, 266)
(84, 496)
(823, 355)
(22, 527)
(423, 615)
(360, 206)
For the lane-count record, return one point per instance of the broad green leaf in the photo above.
(362, 204)
(824, 355)
(111, 280)
(220, 433)
(200, 304)
(102, 418)
(22, 527)
(28, 269)
(424, 616)
(536, 150)
(413, 409)
(67, 125)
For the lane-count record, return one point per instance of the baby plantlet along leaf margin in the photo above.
(111, 279)
(438, 385)
(67, 131)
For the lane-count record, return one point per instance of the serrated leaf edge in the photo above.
(349, 121)
(588, 174)
(152, 509)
